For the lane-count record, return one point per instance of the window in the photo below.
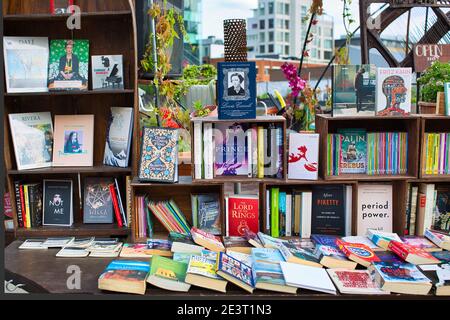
(328, 32)
(271, 7)
(286, 9)
(262, 9)
(287, 37)
(280, 49)
(255, 26)
(280, 8)
(271, 23)
(286, 50)
(327, 55)
(271, 36)
(280, 36)
(303, 11)
(280, 24)
(262, 24)
(286, 24)
(328, 44)
(262, 37)
(271, 48)
(262, 49)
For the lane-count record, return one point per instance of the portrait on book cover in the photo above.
(73, 141)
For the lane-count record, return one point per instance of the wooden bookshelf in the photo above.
(110, 27)
(326, 124)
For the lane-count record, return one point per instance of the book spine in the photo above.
(116, 205)
(280, 156)
(128, 200)
(227, 218)
(408, 209)
(249, 153)
(274, 226)
(420, 221)
(198, 150)
(306, 214)
(32, 205)
(194, 206)
(398, 249)
(27, 205)
(18, 205)
(254, 151)
(260, 152)
(288, 215)
(412, 224)
(119, 198)
(24, 208)
(209, 150)
(268, 208)
(149, 218)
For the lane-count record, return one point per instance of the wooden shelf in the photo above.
(365, 177)
(64, 17)
(77, 230)
(70, 170)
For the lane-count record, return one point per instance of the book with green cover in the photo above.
(353, 151)
(274, 226)
(168, 274)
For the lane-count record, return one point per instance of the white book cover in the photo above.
(303, 156)
(118, 138)
(393, 93)
(198, 150)
(107, 72)
(306, 215)
(374, 208)
(307, 277)
(26, 64)
(209, 151)
(32, 135)
(361, 240)
(428, 190)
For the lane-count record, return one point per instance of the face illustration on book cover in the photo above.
(231, 150)
(394, 91)
(73, 142)
(58, 203)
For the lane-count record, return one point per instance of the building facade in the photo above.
(193, 25)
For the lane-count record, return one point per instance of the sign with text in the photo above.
(426, 54)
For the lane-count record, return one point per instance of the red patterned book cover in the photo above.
(242, 214)
(358, 252)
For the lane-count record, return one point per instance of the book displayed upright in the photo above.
(107, 72)
(328, 210)
(58, 203)
(242, 213)
(118, 137)
(98, 202)
(303, 156)
(393, 96)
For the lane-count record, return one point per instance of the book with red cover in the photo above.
(358, 252)
(242, 214)
(116, 205)
(24, 209)
(412, 254)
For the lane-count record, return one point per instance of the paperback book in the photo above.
(58, 203)
(235, 271)
(355, 282)
(125, 276)
(242, 213)
(303, 156)
(107, 72)
(98, 203)
(201, 272)
(168, 274)
(231, 156)
(393, 91)
(118, 137)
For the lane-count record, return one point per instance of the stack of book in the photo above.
(436, 153)
(170, 216)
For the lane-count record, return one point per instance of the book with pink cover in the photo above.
(74, 141)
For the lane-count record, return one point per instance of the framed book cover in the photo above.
(26, 64)
(159, 155)
(58, 203)
(236, 88)
(393, 91)
(74, 141)
(98, 202)
(68, 65)
(303, 156)
(32, 135)
(354, 88)
(107, 72)
(118, 137)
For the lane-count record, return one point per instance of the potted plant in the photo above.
(431, 85)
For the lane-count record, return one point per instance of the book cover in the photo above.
(32, 135)
(412, 254)
(353, 155)
(303, 156)
(68, 65)
(207, 240)
(354, 282)
(357, 252)
(107, 72)
(400, 273)
(389, 257)
(236, 88)
(442, 209)
(74, 141)
(325, 240)
(58, 203)
(443, 256)
(420, 243)
(125, 276)
(159, 155)
(230, 149)
(328, 210)
(243, 214)
(374, 208)
(382, 239)
(208, 218)
(36, 203)
(118, 137)
(26, 64)
(98, 204)
(296, 254)
(354, 88)
(168, 269)
(266, 267)
(439, 275)
(439, 239)
(235, 271)
(202, 266)
(393, 91)
(363, 240)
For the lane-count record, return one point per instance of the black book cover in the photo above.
(18, 204)
(98, 203)
(328, 210)
(58, 200)
(35, 196)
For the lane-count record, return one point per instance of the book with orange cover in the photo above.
(358, 252)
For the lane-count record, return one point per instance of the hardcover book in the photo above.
(374, 208)
(68, 65)
(125, 276)
(98, 203)
(74, 141)
(353, 155)
(159, 155)
(32, 135)
(107, 72)
(354, 88)
(328, 210)
(303, 156)
(26, 64)
(118, 137)
(393, 91)
(230, 149)
(242, 215)
(236, 88)
(235, 271)
(357, 252)
(168, 274)
(58, 203)
(355, 282)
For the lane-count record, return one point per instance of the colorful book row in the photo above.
(436, 154)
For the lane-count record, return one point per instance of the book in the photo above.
(35, 204)
(296, 254)
(242, 214)
(157, 247)
(182, 243)
(411, 254)
(328, 210)
(389, 257)
(169, 214)
(354, 88)
(58, 203)
(207, 240)
(420, 243)
(442, 208)
(355, 282)
(270, 242)
(81, 242)
(443, 256)
(198, 150)
(357, 252)
(242, 257)
(208, 151)
(235, 271)
(72, 252)
(353, 155)
(201, 272)
(32, 135)
(57, 242)
(382, 239)
(107, 72)
(439, 239)
(374, 208)
(404, 278)
(439, 276)
(100, 249)
(236, 87)
(208, 213)
(168, 274)
(98, 203)
(303, 156)
(237, 244)
(125, 276)
(74, 141)
(363, 240)
(393, 91)
(331, 257)
(267, 271)
(159, 155)
(447, 98)
(135, 250)
(307, 277)
(230, 150)
(253, 239)
(305, 215)
(33, 244)
(425, 218)
(68, 65)
(118, 137)
(26, 64)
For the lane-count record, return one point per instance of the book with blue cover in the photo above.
(325, 240)
(125, 276)
(235, 271)
(236, 88)
(353, 158)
